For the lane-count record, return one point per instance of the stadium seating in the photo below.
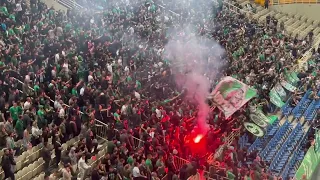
(295, 24)
(260, 142)
(275, 143)
(286, 149)
(302, 105)
(243, 140)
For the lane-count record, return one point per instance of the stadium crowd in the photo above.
(109, 66)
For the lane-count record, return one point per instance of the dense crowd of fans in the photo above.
(109, 66)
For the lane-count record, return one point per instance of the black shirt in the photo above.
(95, 175)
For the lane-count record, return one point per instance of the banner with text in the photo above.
(231, 94)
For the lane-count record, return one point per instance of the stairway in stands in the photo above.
(282, 145)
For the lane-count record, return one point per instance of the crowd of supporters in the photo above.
(62, 72)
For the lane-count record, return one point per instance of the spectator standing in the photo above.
(83, 167)
(46, 155)
(57, 150)
(136, 172)
(66, 173)
(73, 158)
(7, 163)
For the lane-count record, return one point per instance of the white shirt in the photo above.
(57, 58)
(61, 113)
(57, 105)
(158, 113)
(160, 64)
(59, 31)
(90, 78)
(120, 62)
(136, 172)
(18, 7)
(131, 30)
(126, 69)
(82, 91)
(83, 166)
(137, 95)
(66, 174)
(27, 78)
(109, 67)
(124, 109)
(36, 131)
(27, 105)
(51, 33)
(53, 73)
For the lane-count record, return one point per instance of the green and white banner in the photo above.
(253, 129)
(281, 92)
(309, 164)
(257, 116)
(275, 99)
(292, 77)
(231, 94)
(288, 86)
(311, 160)
(317, 141)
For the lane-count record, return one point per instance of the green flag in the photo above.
(281, 92)
(288, 86)
(272, 118)
(291, 77)
(275, 99)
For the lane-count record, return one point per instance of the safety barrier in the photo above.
(101, 127)
(71, 4)
(228, 141)
(179, 162)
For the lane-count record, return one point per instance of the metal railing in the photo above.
(179, 162)
(71, 4)
(228, 141)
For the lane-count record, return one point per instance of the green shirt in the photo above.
(15, 112)
(117, 116)
(149, 164)
(130, 160)
(74, 92)
(166, 101)
(40, 113)
(11, 32)
(19, 126)
(129, 79)
(68, 27)
(12, 17)
(230, 175)
(138, 84)
(36, 88)
(262, 57)
(4, 10)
